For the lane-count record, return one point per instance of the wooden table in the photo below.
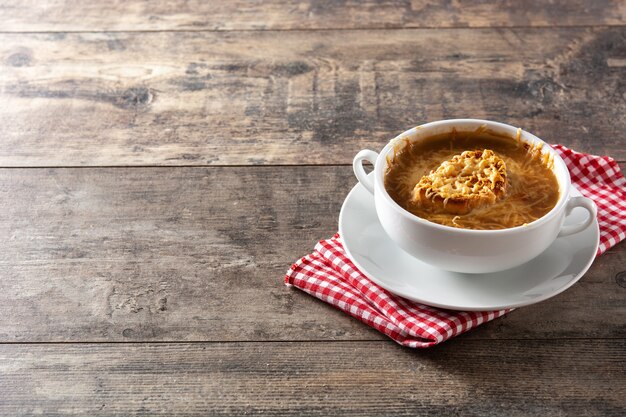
(164, 163)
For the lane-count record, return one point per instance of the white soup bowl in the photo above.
(467, 250)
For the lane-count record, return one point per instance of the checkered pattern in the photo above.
(599, 178)
(329, 275)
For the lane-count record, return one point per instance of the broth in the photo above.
(532, 189)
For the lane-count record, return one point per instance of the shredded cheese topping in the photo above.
(465, 181)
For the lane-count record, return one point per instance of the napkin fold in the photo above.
(328, 273)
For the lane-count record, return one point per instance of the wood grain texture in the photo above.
(134, 15)
(244, 98)
(98, 266)
(492, 378)
(198, 254)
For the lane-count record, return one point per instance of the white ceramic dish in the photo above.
(380, 259)
(468, 250)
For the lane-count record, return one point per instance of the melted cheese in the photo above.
(465, 181)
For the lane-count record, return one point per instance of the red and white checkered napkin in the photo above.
(329, 275)
(600, 179)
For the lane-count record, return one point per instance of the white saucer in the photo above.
(377, 256)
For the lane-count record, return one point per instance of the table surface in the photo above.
(163, 164)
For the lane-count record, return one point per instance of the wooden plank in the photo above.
(134, 15)
(529, 378)
(175, 98)
(198, 254)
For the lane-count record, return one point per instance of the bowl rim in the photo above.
(526, 136)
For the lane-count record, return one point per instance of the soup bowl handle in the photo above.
(585, 203)
(359, 171)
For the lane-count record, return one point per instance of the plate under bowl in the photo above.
(376, 255)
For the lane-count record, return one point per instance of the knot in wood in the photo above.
(20, 59)
(135, 98)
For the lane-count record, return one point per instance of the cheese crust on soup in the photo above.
(463, 183)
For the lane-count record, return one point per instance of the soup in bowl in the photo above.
(471, 196)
